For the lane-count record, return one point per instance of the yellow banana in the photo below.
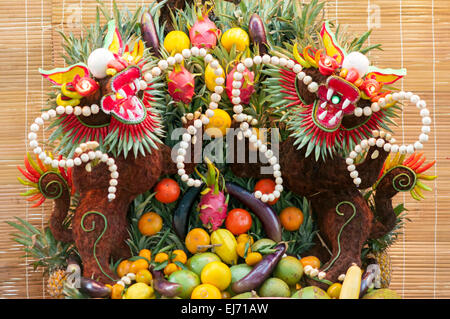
(227, 249)
(352, 283)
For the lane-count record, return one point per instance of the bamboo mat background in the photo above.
(414, 34)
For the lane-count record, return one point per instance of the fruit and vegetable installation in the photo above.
(220, 154)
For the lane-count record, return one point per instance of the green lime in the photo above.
(289, 269)
(311, 292)
(188, 281)
(198, 261)
(274, 287)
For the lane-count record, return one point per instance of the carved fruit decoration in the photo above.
(181, 84)
(204, 33)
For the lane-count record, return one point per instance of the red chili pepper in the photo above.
(28, 175)
(424, 168)
(39, 203)
(30, 169)
(418, 164)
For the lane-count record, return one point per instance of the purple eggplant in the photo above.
(263, 211)
(260, 272)
(94, 288)
(257, 33)
(163, 286)
(149, 34)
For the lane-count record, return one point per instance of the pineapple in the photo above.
(55, 283)
(47, 253)
(384, 261)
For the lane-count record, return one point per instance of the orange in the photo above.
(116, 291)
(240, 248)
(206, 291)
(150, 224)
(170, 268)
(144, 276)
(179, 255)
(196, 237)
(123, 268)
(146, 254)
(238, 221)
(167, 191)
(138, 265)
(291, 218)
(312, 261)
(253, 258)
(266, 186)
(245, 238)
(217, 274)
(161, 257)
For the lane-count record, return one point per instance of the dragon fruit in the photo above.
(181, 84)
(247, 85)
(213, 203)
(204, 33)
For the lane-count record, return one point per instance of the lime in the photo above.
(274, 287)
(198, 261)
(188, 281)
(311, 292)
(289, 269)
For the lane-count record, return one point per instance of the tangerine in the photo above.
(179, 255)
(312, 261)
(123, 268)
(291, 218)
(146, 253)
(167, 191)
(161, 257)
(197, 237)
(245, 238)
(138, 265)
(171, 268)
(150, 224)
(253, 258)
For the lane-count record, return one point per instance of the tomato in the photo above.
(167, 191)
(266, 186)
(238, 221)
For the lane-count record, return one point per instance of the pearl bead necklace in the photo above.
(85, 152)
(189, 138)
(246, 119)
(87, 110)
(390, 147)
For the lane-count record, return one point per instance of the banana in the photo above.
(352, 283)
(227, 244)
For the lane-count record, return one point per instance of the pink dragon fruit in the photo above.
(247, 87)
(204, 33)
(213, 203)
(181, 84)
